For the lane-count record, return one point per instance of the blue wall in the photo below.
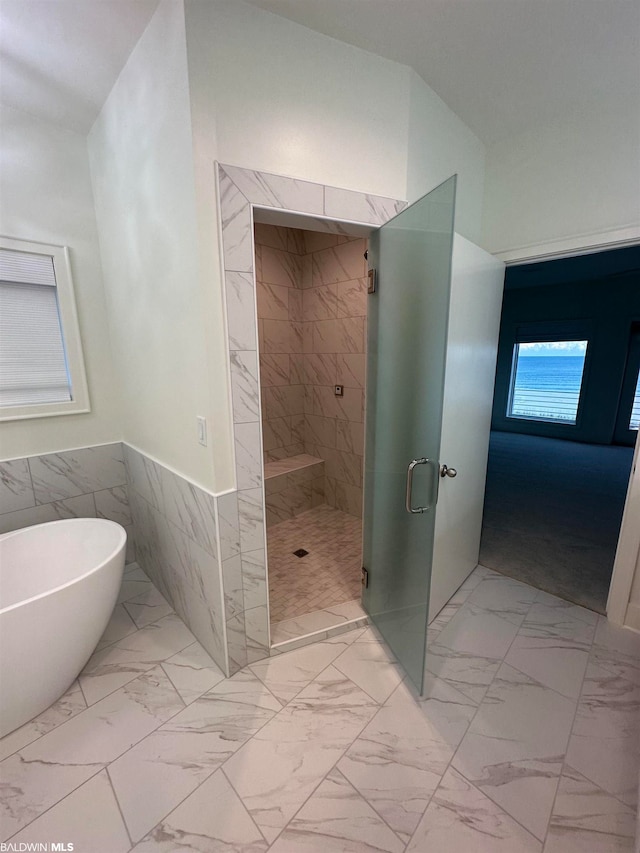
(604, 291)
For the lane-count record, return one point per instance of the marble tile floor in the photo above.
(526, 742)
(309, 626)
(328, 575)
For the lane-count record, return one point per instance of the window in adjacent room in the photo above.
(628, 419)
(546, 380)
(41, 365)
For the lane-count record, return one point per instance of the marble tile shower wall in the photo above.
(87, 483)
(334, 310)
(185, 538)
(279, 297)
(312, 303)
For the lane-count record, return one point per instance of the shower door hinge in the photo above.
(372, 285)
(365, 577)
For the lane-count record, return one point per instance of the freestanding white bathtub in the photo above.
(59, 583)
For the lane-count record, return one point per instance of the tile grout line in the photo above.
(333, 766)
(218, 767)
(105, 765)
(154, 731)
(315, 677)
(573, 722)
(449, 766)
(53, 805)
(357, 789)
(596, 784)
(233, 787)
(115, 797)
(502, 809)
(455, 752)
(143, 672)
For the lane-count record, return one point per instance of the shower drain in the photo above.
(300, 553)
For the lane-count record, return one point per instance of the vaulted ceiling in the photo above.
(504, 66)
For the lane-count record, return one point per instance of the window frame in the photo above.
(550, 332)
(70, 327)
(623, 434)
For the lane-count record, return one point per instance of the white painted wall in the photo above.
(143, 173)
(289, 100)
(45, 192)
(580, 176)
(439, 145)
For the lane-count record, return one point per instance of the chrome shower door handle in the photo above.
(412, 465)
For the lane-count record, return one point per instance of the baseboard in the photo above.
(632, 618)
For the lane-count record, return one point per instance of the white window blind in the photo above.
(33, 364)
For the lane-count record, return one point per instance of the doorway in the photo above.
(564, 423)
(311, 291)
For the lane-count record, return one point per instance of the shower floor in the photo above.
(328, 576)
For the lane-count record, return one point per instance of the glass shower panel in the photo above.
(407, 337)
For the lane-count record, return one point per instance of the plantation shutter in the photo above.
(33, 365)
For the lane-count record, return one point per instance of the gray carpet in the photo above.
(552, 514)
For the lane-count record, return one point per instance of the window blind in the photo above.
(33, 365)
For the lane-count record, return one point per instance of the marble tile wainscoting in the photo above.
(239, 191)
(179, 547)
(90, 482)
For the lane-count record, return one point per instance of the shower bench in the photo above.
(292, 486)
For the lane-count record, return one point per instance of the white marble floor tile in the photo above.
(447, 711)
(348, 634)
(336, 818)
(557, 664)
(164, 768)
(28, 788)
(281, 765)
(147, 607)
(554, 619)
(67, 706)
(464, 671)
(503, 595)
(309, 623)
(212, 820)
(567, 607)
(100, 829)
(370, 665)
(105, 730)
(285, 675)
(120, 626)
(461, 818)
(445, 616)
(133, 572)
(604, 744)
(192, 672)
(553, 647)
(51, 767)
(132, 587)
(119, 663)
(352, 761)
(585, 818)
(514, 747)
(397, 763)
(617, 650)
(481, 632)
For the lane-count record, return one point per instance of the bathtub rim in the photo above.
(122, 543)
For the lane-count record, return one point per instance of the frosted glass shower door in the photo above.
(407, 339)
